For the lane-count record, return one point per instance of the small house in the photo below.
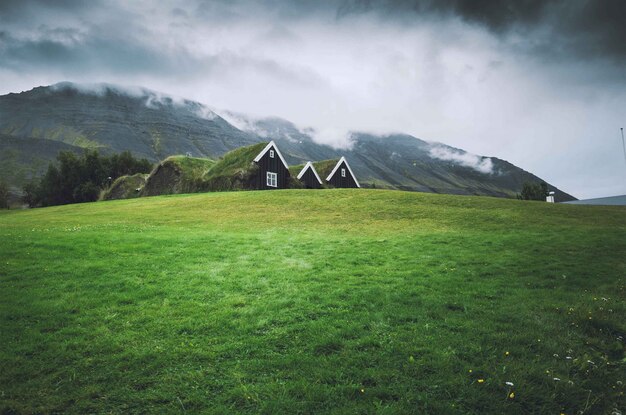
(309, 177)
(255, 167)
(342, 176)
(273, 172)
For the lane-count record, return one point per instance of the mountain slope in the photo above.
(149, 124)
(142, 121)
(23, 158)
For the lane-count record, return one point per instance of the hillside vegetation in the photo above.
(235, 170)
(327, 301)
(183, 174)
(125, 187)
(177, 174)
(36, 124)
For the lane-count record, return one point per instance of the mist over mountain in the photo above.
(36, 124)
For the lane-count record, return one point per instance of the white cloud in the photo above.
(478, 163)
(334, 137)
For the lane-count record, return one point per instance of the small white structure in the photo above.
(550, 197)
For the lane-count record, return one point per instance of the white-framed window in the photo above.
(272, 179)
(343, 172)
(271, 154)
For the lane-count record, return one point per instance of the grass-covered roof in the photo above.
(324, 167)
(295, 170)
(235, 161)
(190, 167)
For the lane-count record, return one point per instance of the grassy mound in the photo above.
(234, 171)
(177, 174)
(324, 167)
(125, 187)
(333, 301)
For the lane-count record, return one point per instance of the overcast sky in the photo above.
(541, 84)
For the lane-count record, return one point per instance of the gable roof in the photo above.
(307, 166)
(343, 159)
(266, 149)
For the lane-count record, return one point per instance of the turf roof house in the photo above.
(342, 176)
(337, 173)
(309, 177)
(273, 169)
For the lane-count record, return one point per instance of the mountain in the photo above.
(35, 125)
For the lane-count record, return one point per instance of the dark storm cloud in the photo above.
(23, 9)
(91, 43)
(593, 28)
(98, 55)
(497, 15)
(74, 52)
(551, 29)
(556, 29)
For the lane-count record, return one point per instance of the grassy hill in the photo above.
(182, 174)
(330, 301)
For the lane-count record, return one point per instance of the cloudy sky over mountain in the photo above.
(539, 83)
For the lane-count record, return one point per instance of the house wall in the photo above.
(273, 165)
(309, 180)
(338, 181)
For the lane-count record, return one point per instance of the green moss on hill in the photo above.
(324, 167)
(191, 167)
(295, 170)
(177, 174)
(125, 187)
(234, 171)
(236, 161)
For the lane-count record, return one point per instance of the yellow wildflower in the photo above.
(511, 395)
(481, 380)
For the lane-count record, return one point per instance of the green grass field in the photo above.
(296, 301)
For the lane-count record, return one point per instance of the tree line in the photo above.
(77, 179)
(534, 191)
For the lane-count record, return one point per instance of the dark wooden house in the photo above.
(309, 177)
(273, 172)
(342, 176)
